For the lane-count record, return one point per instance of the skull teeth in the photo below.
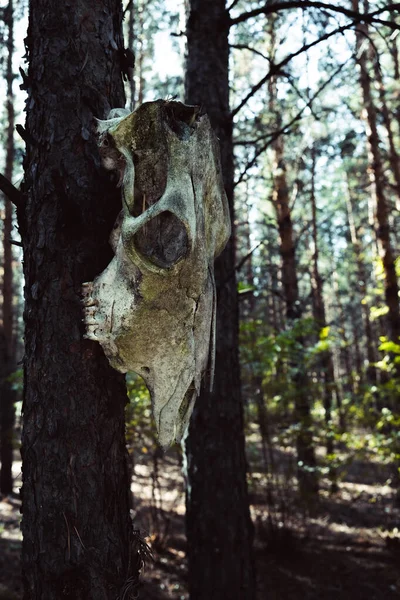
(91, 337)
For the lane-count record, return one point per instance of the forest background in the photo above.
(314, 98)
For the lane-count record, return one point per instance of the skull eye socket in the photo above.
(163, 240)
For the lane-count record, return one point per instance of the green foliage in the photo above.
(141, 432)
(17, 380)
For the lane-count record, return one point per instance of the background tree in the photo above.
(218, 526)
(8, 327)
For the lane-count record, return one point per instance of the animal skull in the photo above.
(153, 308)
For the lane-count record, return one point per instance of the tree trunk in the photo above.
(393, 156)
(131, 39)
(394, 51)
(140, 53)
(362, 284)
(7, 394)
(377, 179)
(319, 314)
(218, 525)
(349, 386)
(78, 540)
(306, 461)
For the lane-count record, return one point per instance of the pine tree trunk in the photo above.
(344, 354)
(7, 394)
(140, 53)
(362, 283)
(78, 541)
(218, 526)
(319, 314)
(306, 461)
(131, 39)
(393, 156)
(383, 233)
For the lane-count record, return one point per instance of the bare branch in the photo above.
(232, 5)
(10, 191)
(276, 68)
(129, 6)
(356, 16)
(244, 47)
(247, 256)
(274, 135)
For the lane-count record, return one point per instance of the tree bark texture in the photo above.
(219, 530)
(7, 364)
(78, 540)
(383, 232)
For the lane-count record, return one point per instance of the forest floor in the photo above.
(347, 548)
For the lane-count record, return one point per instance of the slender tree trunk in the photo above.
(7, 394)
(78, 540)
(349, 385)
(394, 51)
(357, 351)
(140, 53)
(218, 525)
(306, 461)
(319, 313)
(362, 284)
(394, 159)
(131, 40)
(377, 179)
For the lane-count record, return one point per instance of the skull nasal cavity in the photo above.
(163, 241)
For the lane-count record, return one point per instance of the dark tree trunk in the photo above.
(363, 288)
(140, 52)
(319, 314)
(348, 386)
(382, 226)
(306, 461)
(393, 155)
(131, 38)
(7, 364)
(78, 537)
(219, 530)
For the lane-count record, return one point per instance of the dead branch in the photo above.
(275, 69)
(274, 135)
(247, 256)
(10, 191)
(250, 49)
(232, 5)
(370, 18)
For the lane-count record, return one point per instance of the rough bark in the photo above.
(219, 531)
(78, 540)
(7, 364)
(383, 232)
